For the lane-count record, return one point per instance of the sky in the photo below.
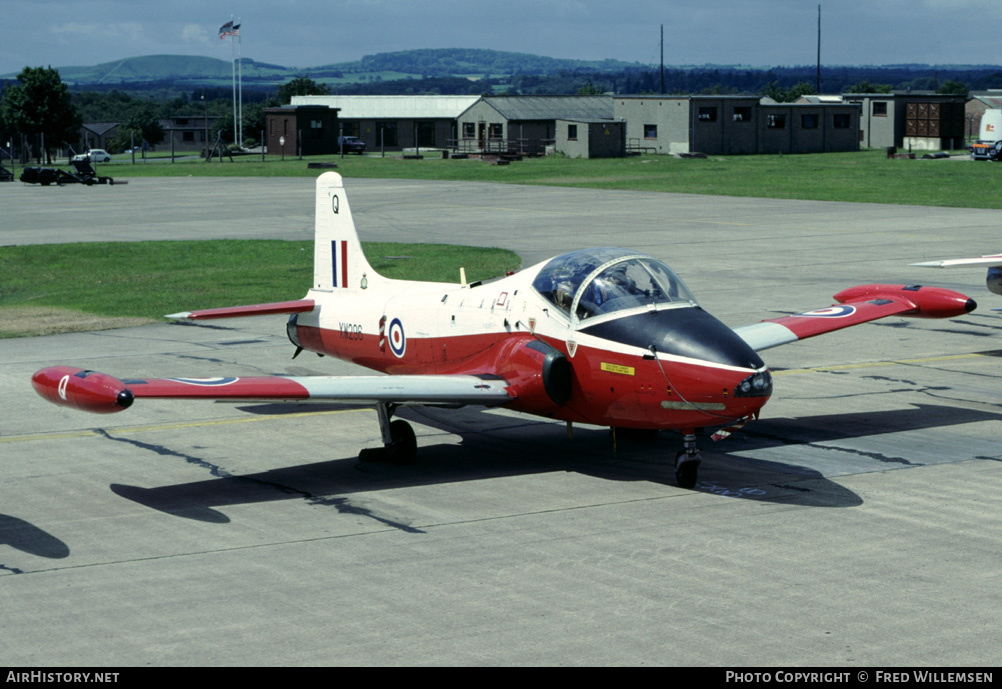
(309, 33)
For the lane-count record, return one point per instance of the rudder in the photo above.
(338, 261)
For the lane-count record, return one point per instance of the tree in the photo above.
(952, 87)
(301, 86)
(39, 106)
(866, 87)
(143, 120)
(781, 95)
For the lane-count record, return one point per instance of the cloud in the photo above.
(94, 31)
(194, 34)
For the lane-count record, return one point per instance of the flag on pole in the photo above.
(229, 29)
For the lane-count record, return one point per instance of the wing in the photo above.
(103, 394)
(857, 305)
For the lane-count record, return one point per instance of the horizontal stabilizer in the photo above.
(278, 307)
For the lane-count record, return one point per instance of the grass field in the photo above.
(111, 285)
(90, 286)
(866, 176)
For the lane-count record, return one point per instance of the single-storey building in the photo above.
(590, 139)
(735, 125)
(919, 121)
(393, 123)
(525, 124)
(187, 133)
(976, 107)
(306, 129)
(96, 135)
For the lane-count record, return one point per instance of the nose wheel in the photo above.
(399, 441)
(687, 462)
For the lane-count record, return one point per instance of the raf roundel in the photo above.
(398, 341)
(838, 311)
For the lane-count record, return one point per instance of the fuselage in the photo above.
(615, 331)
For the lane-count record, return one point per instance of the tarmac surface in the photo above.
(857, 523)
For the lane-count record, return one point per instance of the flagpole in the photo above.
(233, 65)
(240, 70)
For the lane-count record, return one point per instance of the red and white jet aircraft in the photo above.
(600, 336)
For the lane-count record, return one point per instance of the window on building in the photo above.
(316, 129)
(879, 108)
(469, 130)
(650, 131)
(188, 136)
(572, 132)
(809, 121)
(776, 122)
(707, 114)
(842, 121)
(495, 130)
(742, 114)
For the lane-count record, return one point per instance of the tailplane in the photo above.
(338, 261)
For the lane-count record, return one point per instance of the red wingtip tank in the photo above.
(930, 302)
(90, 391)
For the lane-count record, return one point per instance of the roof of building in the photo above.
(992, 100)
(392, 107)
(552, 107)
(99, 128)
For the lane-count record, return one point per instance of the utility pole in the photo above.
(662, 59)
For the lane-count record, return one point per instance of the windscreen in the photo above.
(597, 282)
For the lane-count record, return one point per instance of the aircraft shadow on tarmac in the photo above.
(28, 538)
(497, 446)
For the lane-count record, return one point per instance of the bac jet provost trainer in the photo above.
(601, 336)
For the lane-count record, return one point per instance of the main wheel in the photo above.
(686, 473)
(404, 446)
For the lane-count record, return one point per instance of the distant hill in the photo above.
(446, 62)
(476, 71)
(164, 67)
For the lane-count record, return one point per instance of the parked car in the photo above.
(95, 155)
(351, 144)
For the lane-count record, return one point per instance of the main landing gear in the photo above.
(687, 462)
(399, 443)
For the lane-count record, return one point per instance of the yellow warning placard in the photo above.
(617, 368)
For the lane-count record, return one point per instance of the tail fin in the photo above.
(338, 261)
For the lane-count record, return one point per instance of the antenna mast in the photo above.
(819, 50)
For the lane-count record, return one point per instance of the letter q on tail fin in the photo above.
(338, 261)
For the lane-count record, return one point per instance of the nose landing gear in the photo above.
(687, 461)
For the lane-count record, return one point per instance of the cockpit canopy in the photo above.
(596, 282)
